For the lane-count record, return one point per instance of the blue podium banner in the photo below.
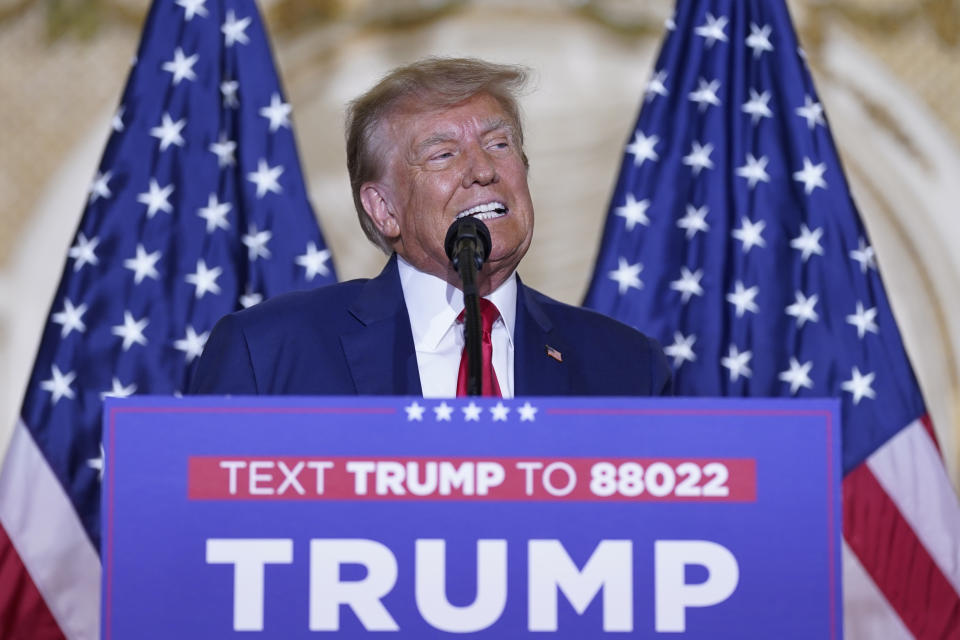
(414, 518)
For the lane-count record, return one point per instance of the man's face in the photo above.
(446, 163)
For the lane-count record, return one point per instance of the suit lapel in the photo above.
(537, 373)
(380, 353)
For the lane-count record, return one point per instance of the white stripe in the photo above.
(910, 470)
(47, 534)
(866, 613)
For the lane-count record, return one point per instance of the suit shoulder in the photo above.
(583, 319)
(297, 307)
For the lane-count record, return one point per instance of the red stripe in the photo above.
(897, 561)
(23, 613)
(928, 425)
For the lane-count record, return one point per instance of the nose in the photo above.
(480, 168)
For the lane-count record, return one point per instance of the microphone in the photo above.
(467, 245)
(467, 234)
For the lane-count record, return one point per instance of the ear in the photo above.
(377, 204)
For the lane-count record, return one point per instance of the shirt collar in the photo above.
(433, 304)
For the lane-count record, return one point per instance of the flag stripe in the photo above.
(911, 472)
(20, 601)
(867, 614)
(897, 561)
(928, 425)
(48, 537)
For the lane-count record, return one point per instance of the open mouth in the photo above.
(487, 211)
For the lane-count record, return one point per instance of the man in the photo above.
(433, 141)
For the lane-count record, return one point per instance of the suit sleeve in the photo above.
(661, 376)
(225, 367)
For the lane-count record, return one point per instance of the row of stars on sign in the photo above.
(443, 412)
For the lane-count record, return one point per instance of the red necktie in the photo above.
(488, 377)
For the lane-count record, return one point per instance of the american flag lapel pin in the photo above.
(554, 353)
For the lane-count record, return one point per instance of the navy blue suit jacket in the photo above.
(355, 338)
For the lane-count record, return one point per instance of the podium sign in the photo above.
(414, 518)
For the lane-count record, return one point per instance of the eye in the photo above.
(440, 156)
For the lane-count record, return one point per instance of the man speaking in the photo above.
(433, 143)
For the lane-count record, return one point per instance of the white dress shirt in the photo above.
(433, 306)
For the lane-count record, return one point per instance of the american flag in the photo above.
(197, 209)
(732, 238)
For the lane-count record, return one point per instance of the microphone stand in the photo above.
(467, 245)
(471, 317)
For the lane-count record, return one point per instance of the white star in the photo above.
(278, 113)
(642, 148)
(803, 308)
(750, 234)
(443, 412)
(743, 299)
(528, 412)
(118, 390)
(712, 30)
(627, 275)
(228, 89)
(859, 385)
(471, 412)
(100, 187)
(634, 212)
(168, 132)
(759, 39)
(97, 463)
(131, 330)
(235, 30)
(204, 279)
(499, 412)
(738, 363)
(250, 298)
(181, 67)
(864, 320)
(143, 265)
(706, 94)
(754, 171)
(865, 256)
(313, 261)
(808, 242)
(688, 284)
(156, 198)
(670, 24)
(655, 86)
(215, 213)
(192, 8)
(797, 375)
(812, 112)
(256, 242)
(699, 157)
(811, 176)
(70, 319)
(682, 349)
(265, 177)
(224, 149)
(191, 344)
(83, 251)
(757, 106)
(59, 384)
(695, 220)
(117, 122)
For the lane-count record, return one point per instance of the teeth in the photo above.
(485, 211)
